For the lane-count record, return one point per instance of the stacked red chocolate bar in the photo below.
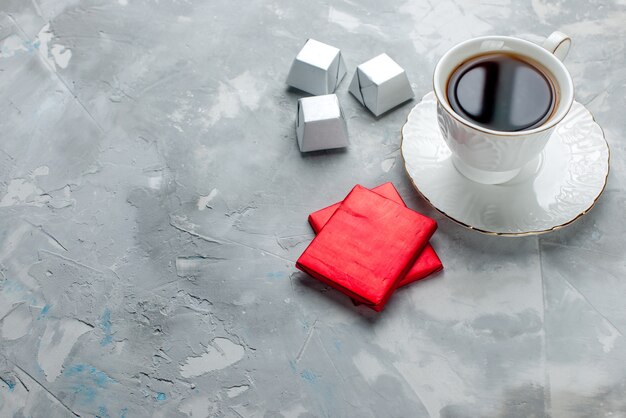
(369, 244)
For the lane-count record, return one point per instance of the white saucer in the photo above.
(559, 187)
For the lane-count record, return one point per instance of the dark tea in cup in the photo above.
(502, 92)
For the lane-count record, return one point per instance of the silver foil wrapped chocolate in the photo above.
(320, 124)
(317, 69)
(380, 84)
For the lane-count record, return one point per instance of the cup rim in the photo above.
(546, 126)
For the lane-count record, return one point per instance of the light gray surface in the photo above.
(153, 201)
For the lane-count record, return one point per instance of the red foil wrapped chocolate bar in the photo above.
(367, 247)
(427, 263)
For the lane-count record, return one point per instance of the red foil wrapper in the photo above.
(427, 262)
(367, 246)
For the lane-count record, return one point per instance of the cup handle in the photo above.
(558, 43)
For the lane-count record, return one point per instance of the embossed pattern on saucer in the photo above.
(560, 187)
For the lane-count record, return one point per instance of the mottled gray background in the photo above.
(153, 201)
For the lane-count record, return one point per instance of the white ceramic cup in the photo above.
(488, 156)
